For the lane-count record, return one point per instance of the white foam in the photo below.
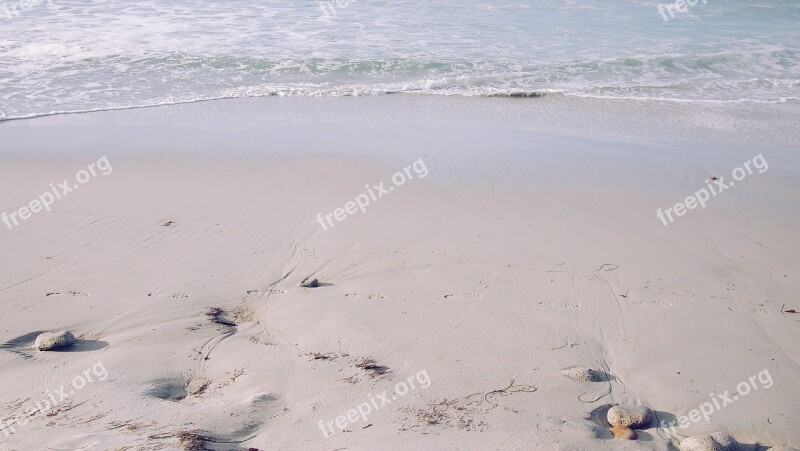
(79, 56)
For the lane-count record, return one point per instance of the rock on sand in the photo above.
(49, 341)
(629, 416)
(717, 441)
(622, 432)
(310, 284)
(583, 374)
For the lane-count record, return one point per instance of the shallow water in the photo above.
(70, 55)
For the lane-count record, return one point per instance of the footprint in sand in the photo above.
(367, 296)
(178, 388)
(467, 295)
(171, 296)
(658, 303)
(564, 305)
(168, 389)
(71, 293)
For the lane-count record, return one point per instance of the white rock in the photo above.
(717, 441)
(583, 374)
(629, 416)
(49, 341)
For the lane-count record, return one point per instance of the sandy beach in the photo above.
(520, 239)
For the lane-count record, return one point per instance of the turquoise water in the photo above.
(65, 55)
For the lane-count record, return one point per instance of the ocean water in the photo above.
(84, 55)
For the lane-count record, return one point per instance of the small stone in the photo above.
(624, 433)
(717, 441)
(631, 416)
(313, 284)
(49, 341)
(583, 374)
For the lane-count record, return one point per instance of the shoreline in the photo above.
(786, 105)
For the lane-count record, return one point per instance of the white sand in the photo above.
(531, 246)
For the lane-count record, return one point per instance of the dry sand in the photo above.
(531, 246)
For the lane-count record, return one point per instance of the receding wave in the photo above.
(517, 94)
(91, 55)
(138, 81)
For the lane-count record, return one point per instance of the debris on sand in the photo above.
(217, 315)
(321, 356)
(193, 441)
(372, 368)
